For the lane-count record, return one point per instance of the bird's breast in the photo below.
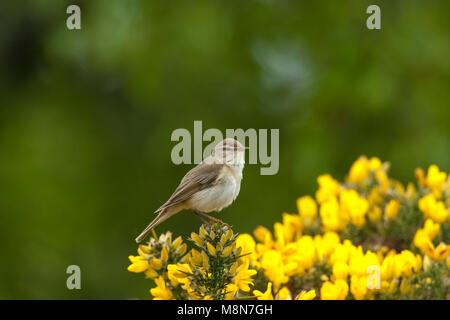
(216, 197)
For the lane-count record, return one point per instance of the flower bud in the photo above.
(229, 235)
(164, 254)
(203, 232)
(182, 249)
(196, 257)
(156, 264)
(226, 252)
(205, 260)
(176, 243)
(223, 239)
(211, 249)
(197, 239)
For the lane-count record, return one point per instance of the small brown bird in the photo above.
(210, 186)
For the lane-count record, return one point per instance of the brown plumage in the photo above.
(211, 185)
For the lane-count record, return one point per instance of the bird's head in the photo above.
(229, 151)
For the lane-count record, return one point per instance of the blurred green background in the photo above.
(86, 117)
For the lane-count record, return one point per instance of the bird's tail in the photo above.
(162, 216)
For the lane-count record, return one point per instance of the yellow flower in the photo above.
(421, 240)
(374, 163)
(392, 209)
(150, 273)
(137, 264)
(286, 255)
(178, 273)
(156, 263)
(280, 235)
(246, 242)
(388, 267)
(292, 226)
(340, 270)
(329, 214)
(283, 294)
(397, 186)
(267, 295)
(329, 241)
(440, 253)
(383, 180)
(343, 252)
(161, 292)
(358, 287)
(405, 287)
(328, 188)
(406, 263)
(420, 176)
(410, 191)
(440, 214)
(427, 262)
(272, 264)
(262, 234)
(234, 267)
(359, 262)
(359, 171)
(298, 256)
(375, 196)
(354, 206)
(324, 277)
(306, 295)
(243, 278)
(433, 209)
(435, 179)
(231, 289)
(375, 214)
(325, 244)
(144, 251)
(307, 209)
(431, 229)
(334, 291)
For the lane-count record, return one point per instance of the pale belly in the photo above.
(215, 198)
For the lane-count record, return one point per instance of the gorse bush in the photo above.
(369, 237)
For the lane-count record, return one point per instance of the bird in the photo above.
(210, 186)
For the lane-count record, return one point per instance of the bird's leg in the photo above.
(197, 213)
(212, 218)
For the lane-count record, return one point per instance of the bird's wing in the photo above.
(198, 178)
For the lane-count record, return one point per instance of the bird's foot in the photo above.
(198, 214)
(211, 219)
(219, 222)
